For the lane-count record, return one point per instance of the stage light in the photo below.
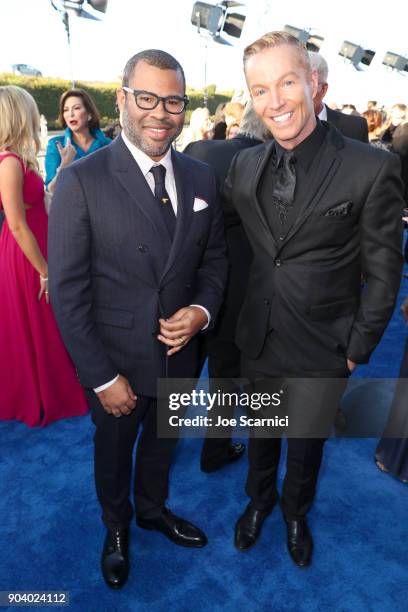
(218, 19)
(77, 7)
(99, 5)
(356, 54)
(395, 61)
(313, 42)
(207, 17)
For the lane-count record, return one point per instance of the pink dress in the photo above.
(38, 382)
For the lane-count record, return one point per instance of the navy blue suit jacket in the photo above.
(114, 271)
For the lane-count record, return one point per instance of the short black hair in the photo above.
(154, 57)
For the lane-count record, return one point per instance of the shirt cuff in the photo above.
(206, 312)
(106, 385)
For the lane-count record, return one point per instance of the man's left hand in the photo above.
(351, 365)
(178, 330)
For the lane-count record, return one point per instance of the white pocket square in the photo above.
(199, 204)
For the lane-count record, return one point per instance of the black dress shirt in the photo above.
(305, 154)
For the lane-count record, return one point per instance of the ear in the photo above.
(314, 80)
(325, 87)
(120, 98)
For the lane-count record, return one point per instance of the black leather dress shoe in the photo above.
(235, 452)
(248, 527)
(176, 529)
(115, 558)
(300, 542)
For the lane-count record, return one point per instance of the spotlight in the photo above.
(77, 7)
(313, 42)
(218, 19)
(395, 61)
(356, 54)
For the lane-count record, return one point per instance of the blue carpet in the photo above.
(51, 536)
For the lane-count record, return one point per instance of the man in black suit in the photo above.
(137, 268)
(351, 126)
(320, 210)
(224, 357)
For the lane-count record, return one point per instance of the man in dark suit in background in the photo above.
(320, 210)
(224, 357)
(349, 125)
(137, 268)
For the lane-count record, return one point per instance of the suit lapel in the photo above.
(131, 177)
(185, 203)
(266, 234)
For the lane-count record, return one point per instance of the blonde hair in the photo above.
(276, 39)
(233, 112)
(19, 124)
(199, 121)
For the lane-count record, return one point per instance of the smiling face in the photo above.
(75, 114)
(151, 131)
(282, 90)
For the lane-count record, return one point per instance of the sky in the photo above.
(32, 32)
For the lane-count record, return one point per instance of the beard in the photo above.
(135, 135)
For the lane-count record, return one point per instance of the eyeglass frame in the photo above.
(163, 99)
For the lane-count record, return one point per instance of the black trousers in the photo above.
(114, 442)
(304, 455)
(224, 362)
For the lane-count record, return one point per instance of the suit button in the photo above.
(200, 242)
(143, 248)
(281, 237)
(267, 302)
(277, 263)
(188, 286)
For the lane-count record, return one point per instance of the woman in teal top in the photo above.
(80, 118)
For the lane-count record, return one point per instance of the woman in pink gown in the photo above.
(38, 382)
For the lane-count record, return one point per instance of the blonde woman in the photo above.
(200, 125)
(233, 112)
(38, 383)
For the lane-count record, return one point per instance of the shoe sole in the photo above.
(244, 550)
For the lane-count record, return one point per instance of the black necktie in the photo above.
(284, 185)
(162, 197)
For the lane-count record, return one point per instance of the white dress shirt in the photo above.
(323, 113)
(145, 164)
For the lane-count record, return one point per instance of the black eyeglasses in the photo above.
(146, 100)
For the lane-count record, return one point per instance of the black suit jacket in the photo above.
(308, 286)
(114, 271)
(349, 125)
(219, 154)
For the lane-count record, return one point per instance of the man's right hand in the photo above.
(118, 399)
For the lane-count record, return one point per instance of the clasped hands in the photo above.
(178, 330)
(119, 399)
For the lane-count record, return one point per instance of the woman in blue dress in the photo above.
(79, 117)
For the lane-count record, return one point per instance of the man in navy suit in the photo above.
(137, 268)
